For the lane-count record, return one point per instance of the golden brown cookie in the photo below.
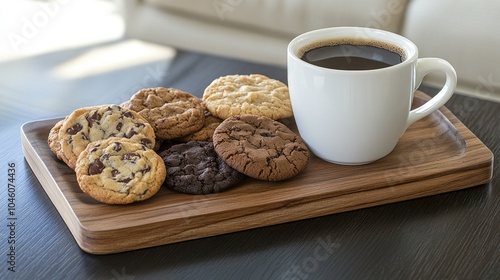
(260, 147)
(89, 124)
(172, 113)
(119, 171)
(254, 94)
(206, 132)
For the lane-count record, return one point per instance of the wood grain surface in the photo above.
(435, 155)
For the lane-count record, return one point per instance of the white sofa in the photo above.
(464, 32)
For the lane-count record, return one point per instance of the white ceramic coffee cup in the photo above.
(356, 117)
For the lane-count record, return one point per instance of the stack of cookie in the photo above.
(250, 139)
(229, 134)
(110, 148)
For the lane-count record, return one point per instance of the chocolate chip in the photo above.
(84, 136)
(126, 180)
(117, 147)
(140, 125)
(146, 141)
(128, 115)
(119, 126)
(130, 156)
(96, 167)
(74, 129)
(145, 170)
(93, 117)
(105, 156)
(114, 172)
(130, 133)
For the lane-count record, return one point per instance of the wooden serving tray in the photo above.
(437, 154)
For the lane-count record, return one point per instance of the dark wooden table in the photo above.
(449, 236)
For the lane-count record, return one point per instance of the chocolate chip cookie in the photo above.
(89, 124)
(195, 168)
(260, 147)
(53, 140)
(172, 113)
(119, 171)
(248, 94)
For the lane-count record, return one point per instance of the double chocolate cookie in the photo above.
(119, 171)
(260, 147)
(195, 168)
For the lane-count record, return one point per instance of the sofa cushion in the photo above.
(463, 32)
(292, 17)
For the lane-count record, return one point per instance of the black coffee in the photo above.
(350, 56)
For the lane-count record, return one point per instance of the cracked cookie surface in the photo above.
(119, 171)
(172, 113)
(260, 147)
(195, 168)
(89, 124)
(253, 94)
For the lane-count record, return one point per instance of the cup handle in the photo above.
(424, 67)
